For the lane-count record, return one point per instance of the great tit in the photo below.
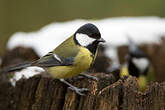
(137, 64)
(70, 58)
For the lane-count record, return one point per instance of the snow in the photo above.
(114, 30)
(26, 73)
(111, 52)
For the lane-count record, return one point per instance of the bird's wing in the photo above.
(63, 55)
(52, 59)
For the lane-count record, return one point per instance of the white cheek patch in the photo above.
(84, 40)
(141, 63)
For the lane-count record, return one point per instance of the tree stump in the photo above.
(45, 93)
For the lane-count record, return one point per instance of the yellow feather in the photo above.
(142, 82)
(83, 60)
(124, 71)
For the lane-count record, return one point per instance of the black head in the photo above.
(134, 51)
(138, 62)
(88, 36)
(90, 30)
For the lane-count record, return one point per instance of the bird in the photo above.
(137, 64)
(72, 57)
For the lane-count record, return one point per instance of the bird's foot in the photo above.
(79, 91)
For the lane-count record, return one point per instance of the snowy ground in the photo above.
(26, 73)
(113, 30)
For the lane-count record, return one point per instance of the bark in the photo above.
(44, 93)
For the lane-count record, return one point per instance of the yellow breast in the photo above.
(142, 82)
(82, 62)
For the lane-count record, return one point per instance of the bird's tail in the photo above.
(16, 67)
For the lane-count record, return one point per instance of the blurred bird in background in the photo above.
(137, 64)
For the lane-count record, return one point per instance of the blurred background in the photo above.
(32, 15)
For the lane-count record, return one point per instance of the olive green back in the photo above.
(67, 49)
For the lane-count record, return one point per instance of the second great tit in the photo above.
(70, 58)
(138, 65)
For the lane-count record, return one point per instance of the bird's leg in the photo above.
(89, 76)
(76, 89)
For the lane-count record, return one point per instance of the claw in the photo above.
(79, 90)
(94, 78)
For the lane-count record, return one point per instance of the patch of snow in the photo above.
(113, 30)
(111, 51)
(26, 73)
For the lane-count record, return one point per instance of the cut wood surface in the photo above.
(44, 93)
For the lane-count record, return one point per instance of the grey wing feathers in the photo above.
(17, 67)
(48, 60)
(52, 59)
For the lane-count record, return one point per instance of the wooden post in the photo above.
(43, 93)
